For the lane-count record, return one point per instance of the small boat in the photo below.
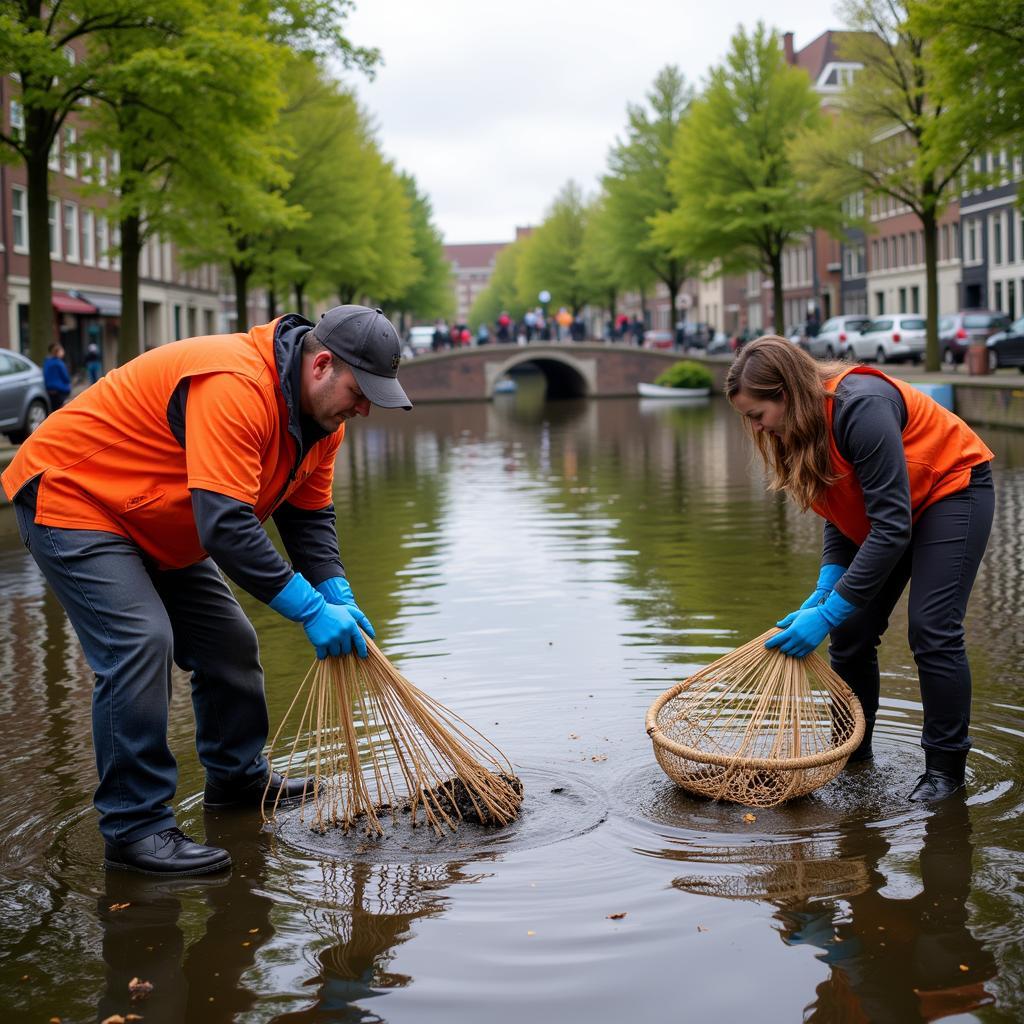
(506, 386)
(657, 391)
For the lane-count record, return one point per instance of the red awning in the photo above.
(64, 303)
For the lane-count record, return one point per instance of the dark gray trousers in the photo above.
(941, 563)
(134, 622)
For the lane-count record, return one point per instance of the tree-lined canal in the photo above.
(545, 570)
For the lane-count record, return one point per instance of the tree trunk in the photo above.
(241, 272)
(929, 223)
(778, 302)
(271, 303)
(300, 298)
(129, 344)
(41, 327)
(346, 294)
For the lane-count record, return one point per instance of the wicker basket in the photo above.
(756, 727)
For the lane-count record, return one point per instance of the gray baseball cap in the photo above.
(368, 342)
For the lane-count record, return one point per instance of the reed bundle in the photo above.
(374, 745)
(756, 727)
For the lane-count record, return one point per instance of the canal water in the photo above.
(545, 570)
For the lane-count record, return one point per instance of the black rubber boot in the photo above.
(168, 853)
(864, 751)
(219, 798)
(943, 775)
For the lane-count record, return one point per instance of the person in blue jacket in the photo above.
(56, 376)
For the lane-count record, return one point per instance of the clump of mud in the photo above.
(454, 799)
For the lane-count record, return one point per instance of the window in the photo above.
(972, 240)
(54, 221)
(956, 241)
(88, 238)
(879, 303)
(19, 217)
(69, 55)
(71, 232)
(997, 239)
(913, 247)
(103, 170)
(903, 300)
(944, 242)
(17, 119)
(53, 162)
(1011, 299)
(997, 295)
(103, 241)
(116, 244)
(915, 299)
(70, 157)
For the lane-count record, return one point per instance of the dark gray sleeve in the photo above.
(836, 548)
(235, 539)
(311, 539)
(868, 426)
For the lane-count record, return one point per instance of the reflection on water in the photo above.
(545, 570)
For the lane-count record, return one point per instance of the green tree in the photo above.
(389, 265)
(739, 197)
(550, 260)
(329, 178)
(213, 55)
(38, 43)
(895, 136)
(597, 264)
(637, 188)
(502, 291)
(976, 50)
(430, 295)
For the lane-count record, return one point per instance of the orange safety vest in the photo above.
(110, 461)
(940, 450)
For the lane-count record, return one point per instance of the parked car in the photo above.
(24, 403)
(968, 327)
(419, 340)
(891, 339)
(1006, 348)
(833, 340)
(659, 339)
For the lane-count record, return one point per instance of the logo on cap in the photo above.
(395, 360)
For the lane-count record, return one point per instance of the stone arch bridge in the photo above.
(572, 370)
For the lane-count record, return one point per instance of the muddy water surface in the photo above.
(545, 571)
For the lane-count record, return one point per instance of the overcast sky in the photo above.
(494, 106)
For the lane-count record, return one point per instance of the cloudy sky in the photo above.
(494, 106)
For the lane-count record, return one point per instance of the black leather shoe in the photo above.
(220, 798)
(168, 853)
(944, 772)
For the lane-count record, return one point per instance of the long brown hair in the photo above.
(768, 370)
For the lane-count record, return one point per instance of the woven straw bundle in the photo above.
(376, 746)
(756, 727)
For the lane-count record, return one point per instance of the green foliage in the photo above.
(431, 294)
(596, 265)
(501, 293)
(551, 257)
(902, 132)
(975, 50)
(740, 199)
(685, 374)
(637, 189)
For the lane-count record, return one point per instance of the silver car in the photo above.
(24, 403)
(834, 338)
(891, 339)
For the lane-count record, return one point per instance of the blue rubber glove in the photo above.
(829, 576)
(336, 590)
(330, 628)
(806, 628)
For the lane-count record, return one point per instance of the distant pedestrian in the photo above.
(93, 362)
(56, 376)
(638, 331)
